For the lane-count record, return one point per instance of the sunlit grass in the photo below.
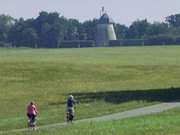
(165, 123)
(47, 76)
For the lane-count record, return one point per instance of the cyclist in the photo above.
(70, 108)
(32, 114)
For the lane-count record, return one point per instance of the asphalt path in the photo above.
(117, 116)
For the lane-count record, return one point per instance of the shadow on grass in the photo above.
(117, 97)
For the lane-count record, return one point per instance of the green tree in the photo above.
(72, 30)
(50, 28)
(90, 29)
(173, 20)
(121, 31)
(29, 38)
(138, 29)
(6, 22)
(23, 33)
(157, 29)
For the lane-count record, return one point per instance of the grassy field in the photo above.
(103, 80)
(166, 123)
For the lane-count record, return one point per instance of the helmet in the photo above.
(71, 97)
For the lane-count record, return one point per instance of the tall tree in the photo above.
(6, 22)
(157, 29)
(90, 29)
(138, 29)
(72, 30)
(174, 20)
(29, 38)
(50, 28)
(121, 31)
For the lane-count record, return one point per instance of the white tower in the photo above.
(105, 30)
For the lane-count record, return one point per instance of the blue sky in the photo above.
(122, 11)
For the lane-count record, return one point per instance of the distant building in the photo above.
(105, 30)
(105, 35)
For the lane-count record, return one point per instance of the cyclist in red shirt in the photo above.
(32, 114)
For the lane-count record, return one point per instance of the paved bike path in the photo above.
(117, 116)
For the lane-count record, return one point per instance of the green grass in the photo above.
(104, 80)
(166, 123)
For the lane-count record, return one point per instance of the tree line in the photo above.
(49, 30)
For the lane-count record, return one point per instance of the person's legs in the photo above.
(29, 116)
(67, 116)
(70, 114)
(28, 124)
(33, 118)
(71, 117)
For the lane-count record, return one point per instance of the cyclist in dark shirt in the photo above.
(71, 101)
(70, 108)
